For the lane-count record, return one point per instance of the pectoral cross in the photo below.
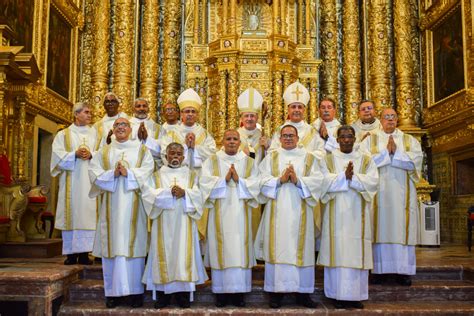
(123, 157)
(297, 92)
(289, 164)
(174, 183)
(84, 142)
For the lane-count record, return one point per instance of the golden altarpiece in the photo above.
(345, 49)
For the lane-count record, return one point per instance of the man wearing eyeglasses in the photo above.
(170, 112)
(296, 98)
(198, 143)
(367, 123)
(103, 127)
(291, 184)
(116, 173)
(350, 184)
(398, 157)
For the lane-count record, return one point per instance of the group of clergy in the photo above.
(152, 201)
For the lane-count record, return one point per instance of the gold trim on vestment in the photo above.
(308, 137)
(248, 170)
(190, 240)
(105, 163)
(67, 199)
(363, 170)
(272, 236)
(332, 246)
(161, 251)
(217, 217)
(100, 131)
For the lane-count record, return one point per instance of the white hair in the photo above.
(78, 107)
(141, 99)
(108, 94)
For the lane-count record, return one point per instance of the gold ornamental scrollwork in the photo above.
(171, 46)
(329, 32)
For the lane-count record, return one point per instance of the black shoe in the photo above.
(303, 299)
(275, 300)
(357, 304)
(97, 259)
(404, 280)
(339, 304)
(111, 302)
(71, 259)
(376, 279)
(84, 259)
(238, 299)
(162, 300)
(183, 299)
(221, 300)
(136, 300)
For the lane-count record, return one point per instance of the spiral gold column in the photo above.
(100, 25)
(276, 17)
(283, 16)
(313, 100)
(329, 49)
(202, 93)
(308, 22)
(405, 25)
(300, 33)
(21, 139)
(277, 109)
(232, 109)
(379, 57)
(221, 110)
(286, 82)
(351, 68)
(149, 56)
(171, 45)
(225, 8)
(196, 22)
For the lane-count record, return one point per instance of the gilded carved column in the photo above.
(283, 16)
(276, 17)
(149, 55)
(221, 111)
(233, 18)
(100, 25)
(171, 46)
(379, 57)
(124, 40)
(405, 28)
(232, 109)
(202, 93)
(329, 86)
(21, 139)
(286, 83)
(3, 83)
(277, 109)
(300, 32)
(204, 24)
(313, 100)
(224, 16)
(308, 22)
(351, 68)
(196, 22)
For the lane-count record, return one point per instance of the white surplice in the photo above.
(331, 143)
(286, 235)
(308, 138)
(346, 243)
(361, 129)
(174, 259)
(229, 250)
(76, 213)
(396, 210)
(122, 228)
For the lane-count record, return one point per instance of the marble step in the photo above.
(423, 273)
(421, 290)
(325, 307)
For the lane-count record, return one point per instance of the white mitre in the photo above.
(189, 98)
(296, 92)
(250, 101)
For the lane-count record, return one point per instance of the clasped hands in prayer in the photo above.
(391, 146)
(349, 171)
(142, 133)
(177, 191)
(289, 175)
(190, 140)
(232, 174)
(120, 170)
(83, 153)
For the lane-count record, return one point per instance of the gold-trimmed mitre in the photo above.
(189, 98)
(250, 101)
(296, 92)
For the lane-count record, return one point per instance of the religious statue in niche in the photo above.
(252, 17)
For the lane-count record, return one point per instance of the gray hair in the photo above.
(141, 99)
(172, 145)
(78, 107)
(109, 94)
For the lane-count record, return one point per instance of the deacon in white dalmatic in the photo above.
(327, 124)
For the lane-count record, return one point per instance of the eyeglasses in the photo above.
(288, 136)
(111, 101)
(390, 116)
(121, 124)
(367, 108)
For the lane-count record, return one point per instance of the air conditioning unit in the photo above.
(429, 224)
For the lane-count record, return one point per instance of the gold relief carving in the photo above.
(463, 135)
(436, 13)
(220, 111)
(379, 59)
(171, 45)
(254, 45)
(405, 29)
(70, 12)
(233, 111)
(453, 104)
(329, 32)
(21, 139)
(87, 54)
(201, 83)
(149, 56)
(100, 27)
(286, 83)
(124, 52)
(277, 108)
(351, 67)
(313, 101)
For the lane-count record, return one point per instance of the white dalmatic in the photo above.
(286, 236)
(396, 208)
(76, 213)
(309, 139)
(121, 238)
(229, 250)
(102, 128)
(346, 242)
(193, 157)
(362, 129)
(174, 259)
(331, 143)
(153, 131)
